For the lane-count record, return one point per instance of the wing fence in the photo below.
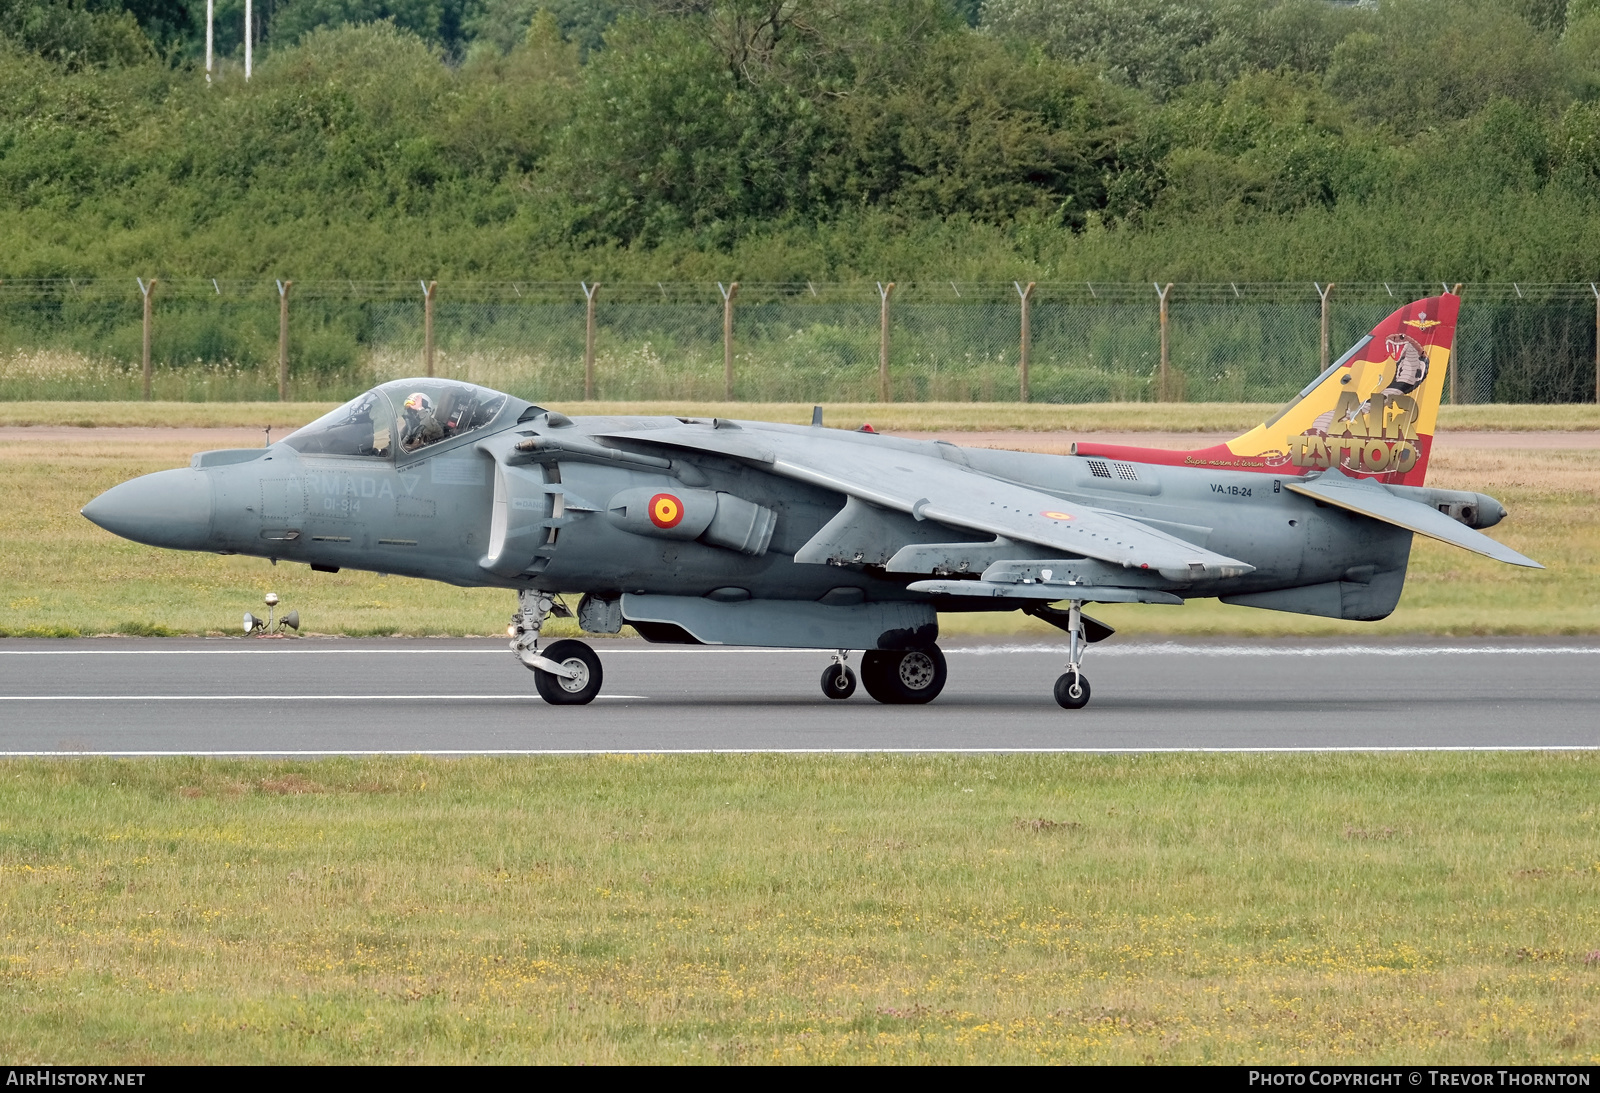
(802, 342)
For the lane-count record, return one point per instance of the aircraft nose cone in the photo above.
(165, 509)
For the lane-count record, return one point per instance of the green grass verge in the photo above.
(61, 576)
(928, 416)
(1439, 907)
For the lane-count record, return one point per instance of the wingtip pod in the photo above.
(1372, 413)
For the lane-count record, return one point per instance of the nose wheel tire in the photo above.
(899, 678)
(838, 681)
(1072, 690)
(586, 675)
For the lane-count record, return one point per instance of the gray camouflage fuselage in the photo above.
(531, 501)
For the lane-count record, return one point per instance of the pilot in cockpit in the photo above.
(421, 426)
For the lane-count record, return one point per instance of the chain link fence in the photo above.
(924, 341)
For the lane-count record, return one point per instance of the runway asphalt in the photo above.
(450, 697)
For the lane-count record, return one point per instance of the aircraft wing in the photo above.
(931, 488)
(1367, 497)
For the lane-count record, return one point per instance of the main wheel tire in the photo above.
(838, 681)
(1065, 688)
(904, 678)
(577, 691)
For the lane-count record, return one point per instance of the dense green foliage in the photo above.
(798, 139)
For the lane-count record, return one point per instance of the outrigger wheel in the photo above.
(907, 677)
(1072, 690)
(838, 681)
(576, 690)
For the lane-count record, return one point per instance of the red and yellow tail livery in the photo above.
(1372, 413)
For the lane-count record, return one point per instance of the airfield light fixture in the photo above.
(254, 624)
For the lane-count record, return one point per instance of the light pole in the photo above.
(210, 12)
(249, 35)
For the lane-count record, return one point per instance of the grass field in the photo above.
(924, 416)
(62, 576)
(1172, 908)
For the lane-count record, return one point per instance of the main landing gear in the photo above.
(566, 674)
(894, 677)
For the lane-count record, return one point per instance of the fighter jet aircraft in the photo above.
(724, 532)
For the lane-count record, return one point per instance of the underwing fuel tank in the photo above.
(720, 519)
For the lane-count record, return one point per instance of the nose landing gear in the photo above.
(566, 674)
(579, 679)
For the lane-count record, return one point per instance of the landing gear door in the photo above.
(519, 520)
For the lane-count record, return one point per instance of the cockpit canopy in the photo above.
(405, 416)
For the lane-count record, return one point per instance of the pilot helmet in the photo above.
(419, 403)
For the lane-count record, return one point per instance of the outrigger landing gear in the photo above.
(1072, 688)
(838, 681)
(566, 674)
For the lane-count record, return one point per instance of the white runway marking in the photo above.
(274, 698)
(479, 651)
(1173, 648)
(268, 753)
(1164, 648)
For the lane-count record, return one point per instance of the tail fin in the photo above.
(1373, 412)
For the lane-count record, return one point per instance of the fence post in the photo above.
(145, 288)
(1324, 293)
(1164, 383)
(1596, 292)
(1027, 341)
(588, 339)
(1455, 355)
(283, 339)
(428, 289)
(727, 337)
(884, 292)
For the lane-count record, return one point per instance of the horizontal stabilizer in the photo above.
(1370, 499)
(1048, 592)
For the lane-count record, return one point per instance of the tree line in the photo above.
(799, 139)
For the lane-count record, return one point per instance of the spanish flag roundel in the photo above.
(666, 511)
